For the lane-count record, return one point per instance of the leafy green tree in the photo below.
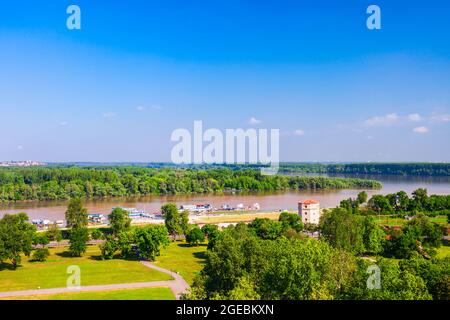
(96, 234)
(419, 199)
(119, 220)
(41, 239)
(150, 239)
(195, 236)
(109, 248)
(229, 260)
(40, 254)
(244, 290)
(351, 205)
(374, 237)
(400, 245)
(380, 204)
(435, 273)
(16, 238)
(426, 232)
(362, 197)
(297, 270)
(209, 229)
(79, 238)
(242, 265)
(292, 234)
(54, 233)
(395, 283)
(402, 201)
(131, 184)
(343, 230)
(311, 227)
(399, 201)
(291, 220)
(125, 241)
(177, 223)
(418, 235)
(212, 232)
(76, 214)
(266, 228)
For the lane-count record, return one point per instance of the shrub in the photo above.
(108, 249)
(96, 234)
(40, 254)
(195, 236)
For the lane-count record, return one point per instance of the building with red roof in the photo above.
(309, 211)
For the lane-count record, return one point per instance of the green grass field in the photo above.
(184, 259)
(395, 221)
(443, 252)
(125, 294)
(94, 271)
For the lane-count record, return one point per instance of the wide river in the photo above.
(54, 210)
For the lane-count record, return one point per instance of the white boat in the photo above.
(196, 208)
(134, 213)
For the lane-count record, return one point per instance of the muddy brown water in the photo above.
(54, 210)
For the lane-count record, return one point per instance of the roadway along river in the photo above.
(54, 210)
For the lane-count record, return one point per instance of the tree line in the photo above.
(54, 183)
(18, 237)
(402, 169)
(400, 203)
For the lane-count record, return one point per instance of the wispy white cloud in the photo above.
(440, 117)
(421, 130)
(142, 108)
(414, 117)
(63, 123)
(109, 115)
(392, 119)
(386, 120)
(299, 132)
(19, 148)
(253, 120)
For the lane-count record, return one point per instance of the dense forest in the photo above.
(399, 204)
(53, 183)
(276, 260)
(405, 169)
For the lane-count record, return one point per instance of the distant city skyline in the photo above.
(115, 90)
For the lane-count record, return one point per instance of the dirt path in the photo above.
(178, 286)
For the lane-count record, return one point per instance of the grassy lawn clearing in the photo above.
(443, 252)
(244, 217)
(182, 258)
(94, 271)
(398, 221)
(125, 294)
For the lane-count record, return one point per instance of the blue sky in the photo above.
(137, 70)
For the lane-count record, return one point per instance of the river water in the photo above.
(54, 210)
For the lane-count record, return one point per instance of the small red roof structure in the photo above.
(309, 201)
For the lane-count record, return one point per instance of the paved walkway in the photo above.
(178, 286)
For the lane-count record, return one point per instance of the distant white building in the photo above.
(309, 211)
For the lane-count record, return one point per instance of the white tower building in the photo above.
(309, 211)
